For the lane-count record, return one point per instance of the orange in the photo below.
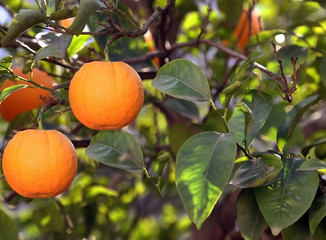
(106, 95)
(241, 32)
(39, 163)
(26, 99)
(67, 22)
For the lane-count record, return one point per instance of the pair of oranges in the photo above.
(43, 163)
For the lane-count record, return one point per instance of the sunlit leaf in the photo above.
(117, 149)
(203, 167)
(183, 79)
(284, 202)
(251, 222)
(312, 164)
(7, 91)
(97, 190)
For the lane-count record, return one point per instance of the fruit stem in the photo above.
(39, 121)
(106, 54)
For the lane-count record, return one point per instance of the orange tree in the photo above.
(227, 134)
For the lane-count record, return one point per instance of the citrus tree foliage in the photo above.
(218, 121)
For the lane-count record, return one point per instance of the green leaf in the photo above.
(258, 171)
(183, 79)
(57, 41)
(203, 168)
(184, 108)
(320, 233)
(6, 63)
(9, 227)
(284, 202)
(47, 52)
(317, 213)
(77, 44)
(291, 119)
(62, 14)
(298, 231)
(261, 106)
(266, 35)
(250, 221)
(7, 91)
(228, 92)
(85, 10)
(117, 149)
(248, 117)
(232, 14)
(312, 164)
(25, 19)
(214, 121)
(256, 113)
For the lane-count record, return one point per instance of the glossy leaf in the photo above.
(256, 172)
(203, 168)
(285, 201)
(85, 10)
(9, 227)
(25, 19)
(7, 91)
(249, 120)
(117, 149)
(183, 79)
(317, 213)
(250, 220)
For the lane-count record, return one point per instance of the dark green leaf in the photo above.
(117, 149)
(184, 108)
(57, 41)
(320, 233)
(228, 92)
(312, 164)
(203, 168)
(25, 19)
(183, 79)
(62, 14)
(249, 120)
(85, 10)
(9, 227)
(7, 91)
(298, 231)
(46, 52)
(214, 121)
(236, 125)
(251, 222)
(257, 172)
(261, 106)
(284, 202)
(232, 14)
(317, 213)
(291, 119)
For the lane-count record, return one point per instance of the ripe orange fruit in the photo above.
(67, 22)
(106, 95)
(25, 99)
(241, 32)
(39, 163)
